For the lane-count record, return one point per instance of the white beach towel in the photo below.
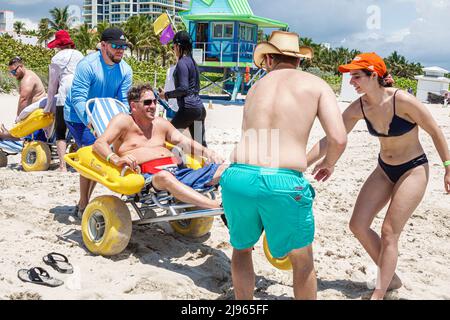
(170, 86)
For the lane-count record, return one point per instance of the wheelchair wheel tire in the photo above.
(36, 156)
(282, 264)
(106, 226)
(3, 159)
(193, 228)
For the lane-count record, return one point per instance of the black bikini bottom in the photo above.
(396, 172)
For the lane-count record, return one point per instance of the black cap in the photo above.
(114, 35)
(182, 37)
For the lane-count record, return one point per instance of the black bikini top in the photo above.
(398, 126)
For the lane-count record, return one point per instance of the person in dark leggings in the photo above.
(401, 175)
(192, 112)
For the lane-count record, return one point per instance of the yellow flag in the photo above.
(161, 23)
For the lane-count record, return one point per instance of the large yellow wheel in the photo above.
(282, 264)
(3, 159)
(106, 226)
(193, 228)
(36, 156)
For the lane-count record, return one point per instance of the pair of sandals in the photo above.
(40, 276)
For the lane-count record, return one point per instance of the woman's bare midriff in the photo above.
(399, 150)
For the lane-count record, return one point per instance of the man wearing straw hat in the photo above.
(264, 189)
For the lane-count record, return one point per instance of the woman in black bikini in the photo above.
(401, 176)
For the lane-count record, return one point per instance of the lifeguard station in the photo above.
(225, 34)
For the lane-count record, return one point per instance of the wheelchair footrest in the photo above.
(182, 216)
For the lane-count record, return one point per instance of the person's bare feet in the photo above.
(3, 129)
(396, 283)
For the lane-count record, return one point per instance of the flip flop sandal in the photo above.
(38, 276)
(58, 262)
(224, 219)
(78, 212)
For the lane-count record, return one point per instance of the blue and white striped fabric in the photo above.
(102, 110)
(11, 146)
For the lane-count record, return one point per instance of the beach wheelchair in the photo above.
(37, 150)
(107, 223)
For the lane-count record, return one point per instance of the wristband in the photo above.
(109, 156)
(447, 164)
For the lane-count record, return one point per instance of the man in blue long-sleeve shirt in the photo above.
(102, 74)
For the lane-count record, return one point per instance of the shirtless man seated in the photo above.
(31, 90)
(139, 140)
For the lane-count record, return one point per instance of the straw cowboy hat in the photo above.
(281, 43)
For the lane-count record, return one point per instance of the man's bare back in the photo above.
(31, 90)
(279, 113)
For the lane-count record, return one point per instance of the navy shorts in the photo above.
(82, 135)
(38, 135)
(196, 179)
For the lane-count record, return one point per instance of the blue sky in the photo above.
(417, 29)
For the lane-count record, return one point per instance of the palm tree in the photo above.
(85, 39)
(401, 67)
(44, 32)
(102, 26)
(137, 30)
(60, 18)
(19, 27)
(163, 53)
(307, 42)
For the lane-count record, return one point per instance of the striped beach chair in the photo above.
(100, 111)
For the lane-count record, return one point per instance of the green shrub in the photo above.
(7, 83)
(335, 82)
(145, 72)
(405, 84)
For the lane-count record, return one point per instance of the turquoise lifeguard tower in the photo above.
(225, 34)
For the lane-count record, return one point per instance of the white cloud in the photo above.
(425, 40)
(398, 36)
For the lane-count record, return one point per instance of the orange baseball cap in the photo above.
(369, 61)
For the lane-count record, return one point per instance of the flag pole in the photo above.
(171, 21)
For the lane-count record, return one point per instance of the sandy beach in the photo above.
(35, 220)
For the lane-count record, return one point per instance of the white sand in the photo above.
(160, 264)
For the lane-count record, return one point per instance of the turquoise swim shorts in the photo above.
(278, 201)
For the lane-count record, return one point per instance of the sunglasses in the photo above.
(119, 46)
(148, 102)
(14, 72)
